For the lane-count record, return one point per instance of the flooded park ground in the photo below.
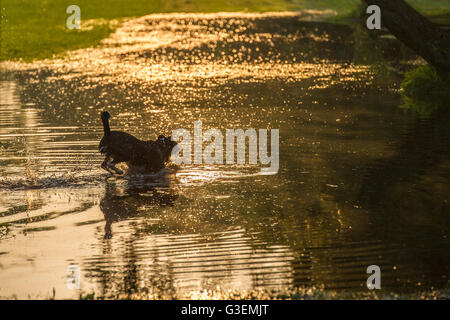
(361, 181)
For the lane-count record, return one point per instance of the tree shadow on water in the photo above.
(411, 187)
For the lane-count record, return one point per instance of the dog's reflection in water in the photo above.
(123, 202)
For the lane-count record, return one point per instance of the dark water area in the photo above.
(361, 181)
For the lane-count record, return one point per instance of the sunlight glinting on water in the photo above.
(210, 230)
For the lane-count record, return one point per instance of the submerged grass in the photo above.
(36, 29)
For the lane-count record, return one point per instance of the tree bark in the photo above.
(415, 31)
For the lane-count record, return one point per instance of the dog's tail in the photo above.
(105, 119)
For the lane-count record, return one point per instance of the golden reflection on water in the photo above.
(213, 47)
(207, 231)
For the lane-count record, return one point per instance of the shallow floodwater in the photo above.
(361, 182)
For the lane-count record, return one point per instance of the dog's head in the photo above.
(166, 145)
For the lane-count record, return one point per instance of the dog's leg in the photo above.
(105, 164)
(112, 165)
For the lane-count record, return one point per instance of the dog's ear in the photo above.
(161, 138)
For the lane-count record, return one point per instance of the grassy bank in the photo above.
(36, 29)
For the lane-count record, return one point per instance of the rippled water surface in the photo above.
(360, 181)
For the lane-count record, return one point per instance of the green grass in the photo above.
(425, 91)
(36, 29)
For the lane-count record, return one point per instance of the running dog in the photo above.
(119, 146)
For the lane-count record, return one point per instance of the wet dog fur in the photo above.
(145, 156)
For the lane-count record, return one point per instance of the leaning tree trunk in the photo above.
(415, 31)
